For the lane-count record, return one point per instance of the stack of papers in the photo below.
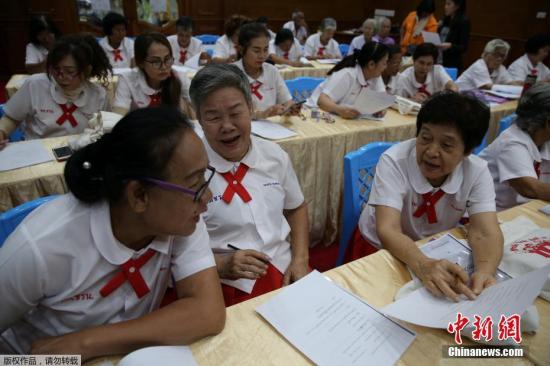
(165, 355)
(431, 37)
(271, 130)
(368, 102)
(331, 326)
(22, 154)
(328, 61)
(506, 91)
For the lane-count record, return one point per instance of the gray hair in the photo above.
(372, 22)
(327, 23)
(214, 77)
(296, 14)
(496, 44)
(533, 112)
(382, 20)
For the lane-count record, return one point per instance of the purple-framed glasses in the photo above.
(210, 171)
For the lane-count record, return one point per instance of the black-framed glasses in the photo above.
(197, 195)
(159, 63)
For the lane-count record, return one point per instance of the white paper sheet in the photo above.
(431, 37)
(328, 61)
(369, 102)
(509, 297)
(101, 5)
(193, 62)
(505, 91)
(271, 130)
(161, 355)
(333, 327)
(25, 153)
(158, 6)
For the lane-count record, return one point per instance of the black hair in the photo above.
(392, 50)
(371, 51)
(234, 23)
(459, 14)
(426, 49)
(425, 7)
(39, 24)
(249, 32)
(88, 55)
(536, 42)
(170, 87)
(283, 35)
(465, 112)
(263, 19)
(140, 145)
(185, 23)
(111, 20)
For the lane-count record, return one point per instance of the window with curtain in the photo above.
(157, 12)
(93, 11)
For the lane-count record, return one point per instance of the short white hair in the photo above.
(327, 23)
(496, 44)
(371, 21)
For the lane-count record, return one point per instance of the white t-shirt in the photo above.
(224, 48)
(293, 54)
(300, 34)
(522, 67)
(35, 54)
(180, 54)
(477, 75)
(399, 184)
(133, 92)
(407, 86)
(512, 155)
(120, 57)
(260, 223)
(344, 86)
(313, 47)
(391, 86)
(269, 89)
(55, 263)
(356, 44)
(39, 101)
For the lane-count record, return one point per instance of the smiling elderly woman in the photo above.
(257, 200)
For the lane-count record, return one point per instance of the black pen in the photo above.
(231, 246)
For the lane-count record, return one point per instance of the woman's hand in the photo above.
(248, 263)
(419, 97)
(69, 344)
(445, 46)
(481, 280)
(443, 278)
(296, 270)
(348, 112)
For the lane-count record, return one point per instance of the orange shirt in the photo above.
(408, 29)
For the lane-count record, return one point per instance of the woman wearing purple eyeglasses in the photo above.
(85, 273)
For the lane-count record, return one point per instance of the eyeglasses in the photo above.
(70, 73)
(197, 195)
(158, 63)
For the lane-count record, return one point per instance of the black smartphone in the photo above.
(62, 153)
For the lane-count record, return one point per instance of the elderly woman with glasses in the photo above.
(488, 70)
(257, 201)
(519, 158)
(62, 101)
(153, 82)
(85, 273)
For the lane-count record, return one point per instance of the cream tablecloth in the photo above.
(248, 340)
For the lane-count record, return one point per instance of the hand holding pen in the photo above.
(243, 263)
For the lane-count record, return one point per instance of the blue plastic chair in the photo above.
(344, 48)
(503, 124)
(11, 218)
(302, 87)
(16, 135)
(210, 52)
(481, 146)
(208, 38)
(453, 72)
(359, 170)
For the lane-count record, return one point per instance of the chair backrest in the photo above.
(208, 38)
(344, 48)
(453, 72)
(302, 87)
(16, 135)
(359, 170)
(11, 218)
(506, 122)
(481, 146)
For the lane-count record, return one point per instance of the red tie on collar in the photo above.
(118, 55)
(255, 89)
(428, 206)
(155, 100)
(536, 164)
(424, 89)
(285, 55)
(234, 185)
(183, 55)
(67, 114)
(321, 51)
(130, 271)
